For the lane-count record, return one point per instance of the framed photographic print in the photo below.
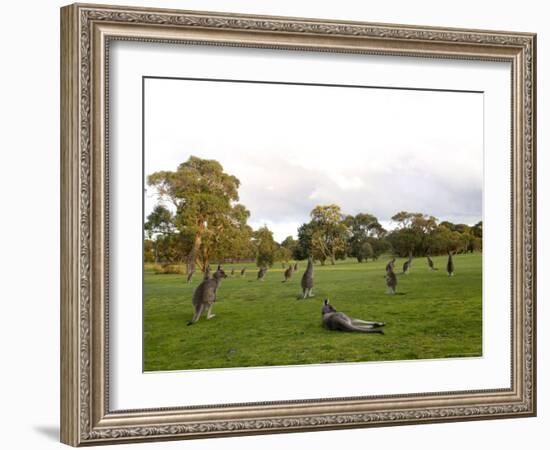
(274, 224)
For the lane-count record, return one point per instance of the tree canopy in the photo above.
(205, 199)
(205, 222)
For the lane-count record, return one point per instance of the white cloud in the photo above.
(293, 147)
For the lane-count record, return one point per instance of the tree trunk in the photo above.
(192, 256)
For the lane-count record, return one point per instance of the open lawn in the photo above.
(262, 323)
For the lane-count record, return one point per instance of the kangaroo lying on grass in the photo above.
(204, 295)
(338, 321)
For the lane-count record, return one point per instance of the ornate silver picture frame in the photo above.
(87, 32)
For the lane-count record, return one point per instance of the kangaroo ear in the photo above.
(219, 267)
(326, 301)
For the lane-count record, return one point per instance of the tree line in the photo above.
(208, 224)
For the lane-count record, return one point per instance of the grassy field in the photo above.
(262, 323)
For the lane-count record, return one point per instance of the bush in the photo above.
(168, 269)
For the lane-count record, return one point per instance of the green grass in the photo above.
(262, 323)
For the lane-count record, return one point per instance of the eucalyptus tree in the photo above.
(205, 199)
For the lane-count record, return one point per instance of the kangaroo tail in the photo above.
(364, 329)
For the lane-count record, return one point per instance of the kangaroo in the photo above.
(204, 295)
(391, 280)
(295, 267)
(243, 270)
(390, 265)
(430, 263)
(261, 273)
(232, 272)
(307, 280)
(338, 321)
(408, 264)
(190, 275)
(450, 265)
(288, 273)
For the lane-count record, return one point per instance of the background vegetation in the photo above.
(208, 225)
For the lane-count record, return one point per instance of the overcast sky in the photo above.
(294, 147)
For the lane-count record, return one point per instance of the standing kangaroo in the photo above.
(261, 273)
(307, 280)
(190, 275)
(430, 263)
(288, 273)
(391, 280)
(204, 295)
(450, 265)
(408, 264)
(243, 270)
(390, 265)
(338, 321)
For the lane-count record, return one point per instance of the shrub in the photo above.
(166, 269)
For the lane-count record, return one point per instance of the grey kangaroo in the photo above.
(243, 270)
(307, 280)
(430, 263)
(190, 275)
(391, 280)
(288, 273)
(450, 265)
(204, 296)
(261, 273)
(338, 321)
(390, 265)
(408, 264)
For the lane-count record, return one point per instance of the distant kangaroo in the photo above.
(204, 296)
(243, 270)
(450, 265)
(391, 280)
(307, 280)
(232, 272)
(430, 263)
(288, 273)
(338, 321)
(190, 275)
(408, 264)
(295, 267)
(261, 273)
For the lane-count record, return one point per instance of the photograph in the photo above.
(293, 220)
(289, 223)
